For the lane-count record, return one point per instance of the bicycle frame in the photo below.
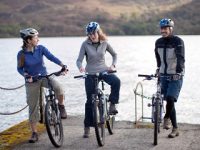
(157, 97)
(52, 114)
(100, 112)
(50, 96)
(157, 106)
(100, 97)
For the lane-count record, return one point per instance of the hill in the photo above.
(69, 17)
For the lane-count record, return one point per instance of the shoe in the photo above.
(174, 133)
(34, 138)
(112, 109)
(167, 123)
(63, 112)
(86, 132)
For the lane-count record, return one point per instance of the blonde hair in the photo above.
(102, 35)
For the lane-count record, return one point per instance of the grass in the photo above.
(17, 134)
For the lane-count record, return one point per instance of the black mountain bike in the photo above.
(157, 106)
(52, 115)
(101, 103)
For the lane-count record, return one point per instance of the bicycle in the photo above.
(157, 106)
(100, 103)
(51, 114)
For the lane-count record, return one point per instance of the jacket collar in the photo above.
(90, 42)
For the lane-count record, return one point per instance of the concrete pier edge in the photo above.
(17, 134)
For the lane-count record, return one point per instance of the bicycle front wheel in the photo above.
(99, 123)
(53, 124)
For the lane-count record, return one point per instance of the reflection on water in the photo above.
(135, 55)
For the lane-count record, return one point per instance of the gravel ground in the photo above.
(126, 137)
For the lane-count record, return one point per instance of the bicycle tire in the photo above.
(160, 114)
(99, 123)
(156, 121)
(110, 120)
(53, 124)
(110, 124)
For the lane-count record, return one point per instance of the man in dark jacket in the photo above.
(170, 57)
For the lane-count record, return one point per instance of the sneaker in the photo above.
(86, 132)
(63, 112)
(112, 109)
(174, 133)
(34, 138)
(167, 123)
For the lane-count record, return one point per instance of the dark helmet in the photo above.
(92, 27)
(166, 23)
(28, 32)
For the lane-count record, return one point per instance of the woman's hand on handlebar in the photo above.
(28, 78)
(112, 68)
(82, 70)
(64, 70)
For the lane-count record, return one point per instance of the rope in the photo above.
(142, 95)
(2, 88)
(15, 88)
(12, 113)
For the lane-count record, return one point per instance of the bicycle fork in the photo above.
(154, 99)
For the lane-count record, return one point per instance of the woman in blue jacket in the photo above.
(30, 63)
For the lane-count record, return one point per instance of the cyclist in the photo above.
(170, 57)
(29, 64)
(94, 48)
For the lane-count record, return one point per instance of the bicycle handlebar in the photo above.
(148, 77)
(38, 77)
(97, 74)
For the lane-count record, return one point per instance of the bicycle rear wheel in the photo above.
(110, 120)
(110, 123)
(99, 123)
(53, 124)
(156, 121)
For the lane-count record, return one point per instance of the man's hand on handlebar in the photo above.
(157, 73)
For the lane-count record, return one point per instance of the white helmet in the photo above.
(28, 32)
(92, 27)
(166, 22)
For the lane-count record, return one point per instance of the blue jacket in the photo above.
(34, 63)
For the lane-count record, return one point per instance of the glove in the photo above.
(64, 68)
(177, 76)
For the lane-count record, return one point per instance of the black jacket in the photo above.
(170, 55)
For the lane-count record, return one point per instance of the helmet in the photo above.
(28, 32)
(92, 27)
(166, 23)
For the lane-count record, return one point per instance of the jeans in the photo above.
(171, 90)
(110, 79)
(171, 87)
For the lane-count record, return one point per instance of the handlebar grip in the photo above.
(75, 77)
(147, 77)
(112, 71)
(143, 75)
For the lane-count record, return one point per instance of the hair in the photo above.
(25, 41)
(102, 35)
(22, 56)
